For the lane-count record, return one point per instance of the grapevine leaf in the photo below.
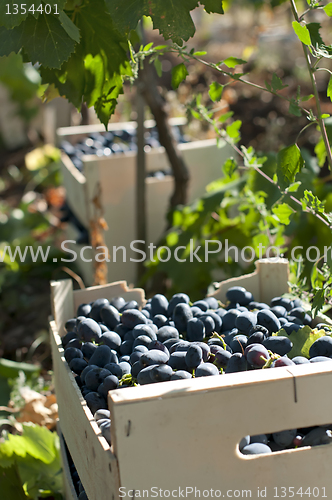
(283, 212)
(294, 187)
(224, 117)
(179, 74)
(10, 41)
(232, 62)
(302, 340)
(11, 20)
(328, 9)
(69, 27)
(277, 83)
(317, 41)
(36, 441)
(50, 44)
(158, 66)
(215, 91)
(313, 202)
(318, 300)
(294, 108)
(94, 72)
(172, 19)
(329, 87)
(302, 33)
(320, 152)
(289, 163)
(233, 130)
(11, 484)
(307, 97)
(212, 6)
(229, 167)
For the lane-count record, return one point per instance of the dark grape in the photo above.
(159, 305)
(284, 438)
(101, 356)
(71, 353)
(161, 373)
(321, 347)
(266, 318)
(278, 345)
(181, 315)
(77, 365)
(256, 449)
(153, 357)
(180, 375)
(195, 329)
(88, 330)
(194, 356)
(110, 316)
(133, 317)
(236, 363)
(257, 355)
(206, 370)
(167, 332)
(178, 298)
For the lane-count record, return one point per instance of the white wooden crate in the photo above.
(183, 434)
(113, 179)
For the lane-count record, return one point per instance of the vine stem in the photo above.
(315, 90)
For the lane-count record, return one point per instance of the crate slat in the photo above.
(188, 433)
(96, 465)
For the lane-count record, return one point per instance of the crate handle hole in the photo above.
(288, 439)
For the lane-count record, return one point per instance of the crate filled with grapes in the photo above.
(225, 395)
(99, 170)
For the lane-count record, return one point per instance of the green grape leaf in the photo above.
(283, 212)
(302, 33)
(294, 108)
(276, 83)
(95, 70)
(320, 152)
(69, 27)
(232, 62)
(289, 163)
(313, 202)
(11, 20)
(328, 9)
(329, 88)
(158, 66)
(307, 97)
(50, 44)
(292, 188)
(229, 167)
(172, 19)
(302, 340)
(11, 484)
(318, 301)
(179, 73)
(213, 6)
(35, 441)
(215, 91)
(317, 41)
(233, 130)
(225, 116)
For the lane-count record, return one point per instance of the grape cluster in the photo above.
(120, 141)
(112, 344)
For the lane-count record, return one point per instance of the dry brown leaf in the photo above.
(39, 409)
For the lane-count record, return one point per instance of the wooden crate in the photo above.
(184, 434)
(112, 181)
(68, 485)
